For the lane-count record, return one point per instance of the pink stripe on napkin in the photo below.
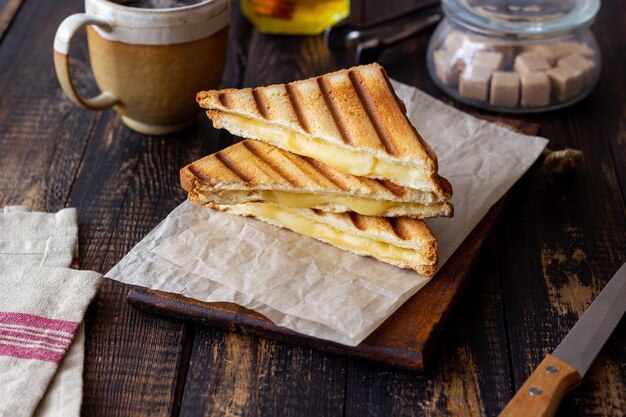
(32, 320)
(29, 336)
(36, 338)
(25, 352)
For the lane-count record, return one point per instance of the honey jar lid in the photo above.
(522, 17)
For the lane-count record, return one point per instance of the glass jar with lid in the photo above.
(516, 56)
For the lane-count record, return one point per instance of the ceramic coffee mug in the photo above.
(148, 63)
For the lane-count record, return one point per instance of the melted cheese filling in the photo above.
(364, 206)
(352, 162)
(298, 223)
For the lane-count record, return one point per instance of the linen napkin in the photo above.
(36, 238)
(42, 303)
(308, 286)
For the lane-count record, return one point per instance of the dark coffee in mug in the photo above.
(156, 4)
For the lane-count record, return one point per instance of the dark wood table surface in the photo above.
(559, 241)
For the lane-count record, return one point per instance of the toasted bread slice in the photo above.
(253, 171)
(400, 241)
(351, 120)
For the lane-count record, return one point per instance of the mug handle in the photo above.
(62, 41)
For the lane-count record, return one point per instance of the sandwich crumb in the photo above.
(559, 162)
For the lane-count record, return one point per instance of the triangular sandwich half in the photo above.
(351, 120)
(253, 171)
(400, 241)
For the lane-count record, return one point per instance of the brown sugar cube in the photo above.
(530, 61)
(587, 66)
(504, 89)
(565, 82)
(488, 59)
(508, 54)
(545, 51)
(535, 89)
(561, 49)
(447, 67)
(454, 41)
(474, 82)
(464, 46)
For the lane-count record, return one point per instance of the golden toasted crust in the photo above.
(402, 232)
(354, 108)
(252, 165)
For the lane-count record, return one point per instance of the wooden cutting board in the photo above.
(404, 340)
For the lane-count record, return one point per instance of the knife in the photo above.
(564, 369)
(368, 51)
(344, 35)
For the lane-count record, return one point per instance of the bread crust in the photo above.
(354, 108)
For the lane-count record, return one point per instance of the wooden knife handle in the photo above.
(544, 389)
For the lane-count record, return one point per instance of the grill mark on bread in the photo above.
(292, 95)
(327, 94)
(394, 189)
(224, 99)
(323, 170)
(402, 106)
(261, 103)
(397, 228)
(369, 183)
(357, 220)
(302, 165)
(370, 110)
(233, 167)
(198, 173)
(271, 163)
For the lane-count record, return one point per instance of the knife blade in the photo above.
(562, 371)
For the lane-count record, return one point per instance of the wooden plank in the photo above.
(42, 136)
(608, 103)
(557, 252)
(603, 390)
(131, 361)
(240, 34)
(135, 364)
(469, 373)
(233, 374)
(8, 10)
(599, 118)
(126, 185)
(566, 236)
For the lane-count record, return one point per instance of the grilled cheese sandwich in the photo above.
(419, 254)
(252, 171)
(350, 120)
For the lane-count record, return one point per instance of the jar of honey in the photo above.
(294, 17)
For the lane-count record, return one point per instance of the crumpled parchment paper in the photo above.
(314, 288)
